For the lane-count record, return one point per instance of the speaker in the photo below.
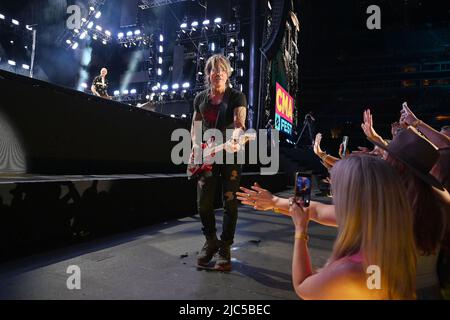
(280, 9)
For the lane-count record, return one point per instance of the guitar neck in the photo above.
(215, 149)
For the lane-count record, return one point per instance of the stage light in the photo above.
(161, 38)
(183, 25)
(133, 91)
(213, 47)
(104, 42)
(155, 88)
(231, 55)
(116, 93)
(94, 37)
(241, 56)
(186, 85)
(205, 22)
(269, 5)
(159, 72)
(200, 73)
(217, 20)
(165, 87)
(194, 24)
(98, 15)
(12, 42)
(83, 35)
(147, 97)
(68, 41)
(183, 116)
(11, 62)
(125, 91)
(137, 32)
(175, 86)
(75, 45)
(232, 27)
(91, 9)
(83, 19)
(25, 66)
(84, 85)
(232, 40)
(29, 28)
(129, 33)
(90, 25)
(15, 22)
(161, 49)
(2, 17)
(120, 35)
(172, 116)
(160, 60)
(125, 45)
(98, 28)
(242, 43)
(241, 72)
(76, 30)
(108, 33)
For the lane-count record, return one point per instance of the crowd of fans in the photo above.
(392, 211)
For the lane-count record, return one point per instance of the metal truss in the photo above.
(147, 4)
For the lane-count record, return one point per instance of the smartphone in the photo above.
(344, 145)
(302, 190)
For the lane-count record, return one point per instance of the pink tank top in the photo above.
(356, 258)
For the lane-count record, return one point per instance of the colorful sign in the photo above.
(284, 110)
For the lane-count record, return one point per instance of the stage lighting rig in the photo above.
(134, 38)
(89, 28)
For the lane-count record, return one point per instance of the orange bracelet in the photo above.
(302, 236)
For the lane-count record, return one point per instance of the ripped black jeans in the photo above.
(229, 176)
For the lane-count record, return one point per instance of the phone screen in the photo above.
(303, 189)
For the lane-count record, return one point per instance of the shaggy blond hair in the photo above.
(375, 219)
(217, 61)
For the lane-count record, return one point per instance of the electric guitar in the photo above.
(208, 152)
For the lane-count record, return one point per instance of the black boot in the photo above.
(223, 262)
(208, 251)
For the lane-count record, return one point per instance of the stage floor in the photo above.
(158, 262)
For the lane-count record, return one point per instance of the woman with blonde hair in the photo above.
(375, 234)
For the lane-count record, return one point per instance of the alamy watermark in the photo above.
(374, 280)
(74, 280)
(374, 20)
(74, 19)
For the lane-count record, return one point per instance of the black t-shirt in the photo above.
(99, 87)
(232, 99)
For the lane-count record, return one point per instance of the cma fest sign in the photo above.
(284, 110)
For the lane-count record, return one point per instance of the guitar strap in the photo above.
(221, 117)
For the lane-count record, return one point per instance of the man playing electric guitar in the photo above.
(220, 107)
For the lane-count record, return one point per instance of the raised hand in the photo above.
(367, 125)
(407, 116)
(317, 150)
(300, 217)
